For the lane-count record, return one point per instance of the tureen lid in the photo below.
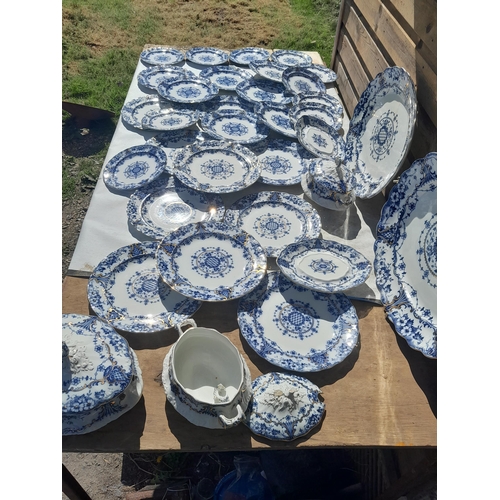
(284, 406)
(97, 363)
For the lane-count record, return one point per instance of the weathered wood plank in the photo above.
(349, 97)
(357, 73)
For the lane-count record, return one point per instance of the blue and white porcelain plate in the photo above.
(324, 265)
(284, 406)
(165, 205)
(216, 167)
(275, 219)
(226, 77)
(269, 69)
(243, 128)
(297, 328)
(299, 80)
(126, 290)
(161, 55)
(226, 103)
(406, 255)
(247, 55)
(134, 111)
(321, 98)
(188, 90)
(276, 117)
(291, 57)
(134, 167)
(259, 90)
(283, 162)
(171, 141)
(211, 261)
(169, 119)
(207, 56)
(152, 76)
(381, 130)
(324, 112)
(326, 74)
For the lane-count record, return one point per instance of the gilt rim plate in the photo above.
(226, 77)
(161, 56)
(188, 90)
(296, 328)
(247, 55)
(126, 290)
(406, 256)
(207, 56)
(275, 219)
(211, 261)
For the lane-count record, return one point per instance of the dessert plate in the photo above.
(126, 290)
(163, 206)
(259, 90)
(171, 141)
(283, 162)
(276, 117)
(381, 130)
(133, 111)
(169, 119)
(269, 69)
(299, 80)
(188, 90)
(324, 265)
(326, 74)
(324, 112)
(216, 166)
(275, 219)
(296, 328)
(152, 76)
(134, 167)
(207, 56)
(319, 138)
(226, 77)
(243, 128)
(161, 55)
(291, 57)
(247, 55)
(284, 406)
(211, 261)
(406, 256)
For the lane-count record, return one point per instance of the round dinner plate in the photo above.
(226, 77)
(269, 69)
(161, 55)
(152, 76)
(259, 90)
(247, 55)
(188, 90)
(291, 57)
(276, 117)
(134, 111)
(325, 112)
(207, 56)
(298, 80)
(169, 119)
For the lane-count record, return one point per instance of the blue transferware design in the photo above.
(161, 56)
(258, 90)
(211, 261)
(226, 77)
(247, 55)
(291, 57)
(300, 80)
(134, 111)
(274, 313)
(134, 167)
(324, 265)
(406, 256)
(325, 74)
(170, 119)
(188, 90)
(323, 111)
(165, 205)
(284, 406)
(276, 117)
(283, 162)
(152, 76)
(126, 290)
(207, 56)
(275, 219)
(269, 69)
(226, 103)
(319, 98)
(381, 130)
(216, 166)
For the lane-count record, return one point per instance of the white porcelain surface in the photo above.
(319, 98)
(297, 328)
(326, 74)
(207, 56)
(291, 57)
(188, 90)
(133, 111)
(276, 117)
(169, 119)
(152, 76)
(324, 112)
(246, 55)
(258, 90)
(269, 69)
(226, 77)
(274, 219)
(161, 55)
(299, 80)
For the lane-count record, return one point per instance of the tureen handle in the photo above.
(231, 422)
(186, 322)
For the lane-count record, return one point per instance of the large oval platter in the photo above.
(297, 328)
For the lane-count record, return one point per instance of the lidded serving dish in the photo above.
(101, 377)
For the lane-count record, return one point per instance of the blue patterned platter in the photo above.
(284, 406)
(296, 328)
(216, 167)
(406, 256)
(211, 261)
(169, 119)
(324, 265)
(101, 377)
(275, 219)
(126, 290)
(325, 74)
(291, 57)
(325, 112)
(243, 128)
(188, 90)
(152, 76)
(299, 80)
(172, 141)
(319, 138)
(163, 206)
(161, 56)
(283, 162)
(276, 117)
(320, 98)
(134, 111)
(207, 56)
(381, 130)
(226, 77)
(269, 69)
(248, 54)
(258, 90)
(134, 167)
